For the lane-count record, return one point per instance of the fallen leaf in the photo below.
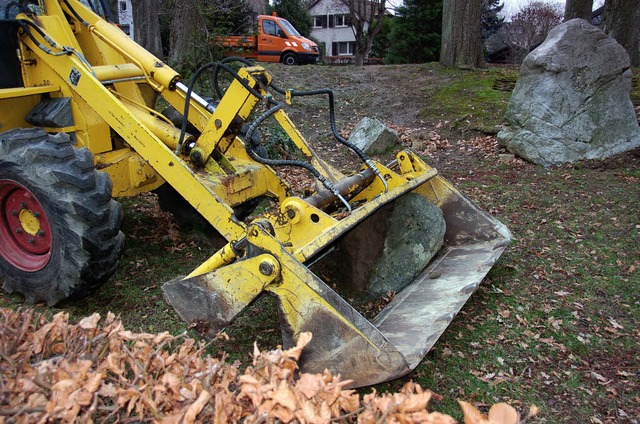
(90, 323)
(502, 413)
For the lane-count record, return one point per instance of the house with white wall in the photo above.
(331, 27)
(125, 17)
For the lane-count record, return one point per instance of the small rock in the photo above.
(373, 136)
(506, 157)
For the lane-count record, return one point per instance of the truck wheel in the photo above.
(59, 228)
(290, 59)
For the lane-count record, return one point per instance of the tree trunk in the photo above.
(578, 9)
(461, 34)
(186, 24)
(113, 8)
(622, 22)
(365, 17)
(147, 25)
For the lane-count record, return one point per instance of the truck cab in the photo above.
(279, 41)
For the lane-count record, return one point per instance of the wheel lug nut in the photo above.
(36, 214)
(32, 240)
(19, 231)
(23, 205)
(14, 213)
(40, 233)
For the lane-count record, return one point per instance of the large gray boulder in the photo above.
(572, 100)
(373, 136)
(388, 250)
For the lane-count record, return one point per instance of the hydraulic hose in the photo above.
(254, 125)
(231, 59)
(332, 120)
(282, 162)
(64, 50)
(194, 79)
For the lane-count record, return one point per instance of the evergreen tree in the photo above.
(491, 21)
(415, 32)
(381, 43)
(294, 12)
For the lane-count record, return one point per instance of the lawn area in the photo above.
(556, 323)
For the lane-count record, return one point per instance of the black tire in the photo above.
(59, 228)
(290, 59)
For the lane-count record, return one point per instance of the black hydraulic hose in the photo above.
(74, 13)
(23, 24)
(332, 120)
(194, 79)
(231, 59)
(283, 162)
(255, 124)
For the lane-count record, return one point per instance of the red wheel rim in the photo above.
(25, 233)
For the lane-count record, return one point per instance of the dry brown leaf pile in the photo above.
(55, 371)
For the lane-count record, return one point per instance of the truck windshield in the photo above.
(289, 28)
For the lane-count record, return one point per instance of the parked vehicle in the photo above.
(275, 40)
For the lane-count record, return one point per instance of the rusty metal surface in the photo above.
(415, 319)
(347, 187)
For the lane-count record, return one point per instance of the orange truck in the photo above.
(276, 41)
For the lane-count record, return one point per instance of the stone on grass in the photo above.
(572, 99)
(373, 136)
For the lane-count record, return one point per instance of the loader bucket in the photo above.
(344, 341)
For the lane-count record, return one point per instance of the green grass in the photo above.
(555, 323)
(467, 100)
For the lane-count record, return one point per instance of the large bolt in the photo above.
(197, 158)
(266, 268)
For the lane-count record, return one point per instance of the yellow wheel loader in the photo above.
(79, 126)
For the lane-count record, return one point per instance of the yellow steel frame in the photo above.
(102, 52)
(285, 239)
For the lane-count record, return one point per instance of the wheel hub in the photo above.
(24, 228)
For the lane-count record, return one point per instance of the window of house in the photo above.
(340, 21)
(319, 21)
(123, 6)
(346, 48)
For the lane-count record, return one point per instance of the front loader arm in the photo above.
(100, 70)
